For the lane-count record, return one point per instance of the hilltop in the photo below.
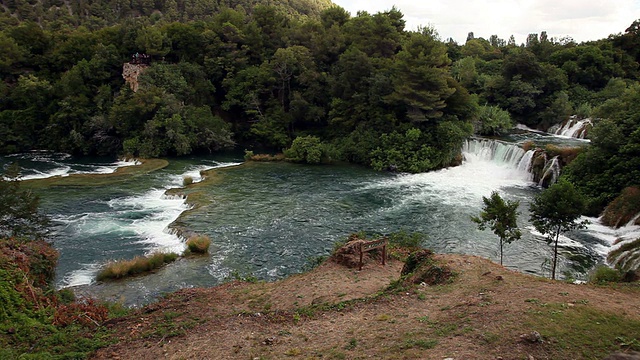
(99, 13)
(333, 312)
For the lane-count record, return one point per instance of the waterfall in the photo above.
(531, 165)
(550, 173)
(508, 155)
(494, 150)
(572, 128)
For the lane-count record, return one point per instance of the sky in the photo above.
(582, 20)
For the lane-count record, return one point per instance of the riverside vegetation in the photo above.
(310, 80)
(318, 84)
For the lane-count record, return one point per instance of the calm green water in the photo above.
(268, 219)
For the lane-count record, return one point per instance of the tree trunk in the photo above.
(555, 255)
(501, 251)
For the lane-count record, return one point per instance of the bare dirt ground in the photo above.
(334, 312)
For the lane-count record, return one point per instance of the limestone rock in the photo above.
(131, 72)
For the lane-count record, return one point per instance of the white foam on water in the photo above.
(111, 168)
(59, 171)
(610, 235)
(157, 212)
(84, 276)
(194, 172)
(563, 241)
(462, 185)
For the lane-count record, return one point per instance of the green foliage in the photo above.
(604, 274)
(501, 217)
(403, 239)
(493, 121)
(612, 162)
(307, 149)
(404, 152)
(557, 210)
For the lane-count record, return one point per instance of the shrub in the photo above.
(422, 267)
(306, 149)
(187, 180)
(248, 155)
(493, 120)
(405, 239)
(198, 244)
(138, 265)
(604, 274)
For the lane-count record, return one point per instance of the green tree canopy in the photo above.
(556, 210)
(501, 217)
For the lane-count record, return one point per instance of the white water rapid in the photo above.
(140, 221)
(572, 128)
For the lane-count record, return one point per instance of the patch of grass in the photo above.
(528, 145)
(249, 155)
(198, 244)
(419, 343)
(187, 180)
(584, 330)
(353, 343)
(293, 352)
(138, 265)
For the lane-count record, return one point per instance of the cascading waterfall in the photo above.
(573, 128)
(507, 154)
(551, 172)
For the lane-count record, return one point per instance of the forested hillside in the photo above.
(99, 13)
(361, 89)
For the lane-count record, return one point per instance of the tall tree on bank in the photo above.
(556, 210)
(501, 217)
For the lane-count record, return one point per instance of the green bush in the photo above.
(404, 239)
(306, 149)
(198, 244)
(604, 274)
(492, 120)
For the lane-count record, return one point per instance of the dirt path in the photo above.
(339, 313)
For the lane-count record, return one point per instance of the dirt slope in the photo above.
(339, 313)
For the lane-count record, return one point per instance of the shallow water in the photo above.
(268, 219)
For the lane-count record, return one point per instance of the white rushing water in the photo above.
(44, 164)
(572, 128)
(141, 219)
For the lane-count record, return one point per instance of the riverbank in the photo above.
(333, 312)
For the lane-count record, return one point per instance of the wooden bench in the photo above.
(372, 245)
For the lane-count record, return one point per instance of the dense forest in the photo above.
(307, 78)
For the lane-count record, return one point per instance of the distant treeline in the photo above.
(361, 89)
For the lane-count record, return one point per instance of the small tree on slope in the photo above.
(501, 217)
(556, 210)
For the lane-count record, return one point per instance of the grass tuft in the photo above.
(138, 265)
(187, 180)
(198, 244)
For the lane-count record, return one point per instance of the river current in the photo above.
(268, 219)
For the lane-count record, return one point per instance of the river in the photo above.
(268, 219)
